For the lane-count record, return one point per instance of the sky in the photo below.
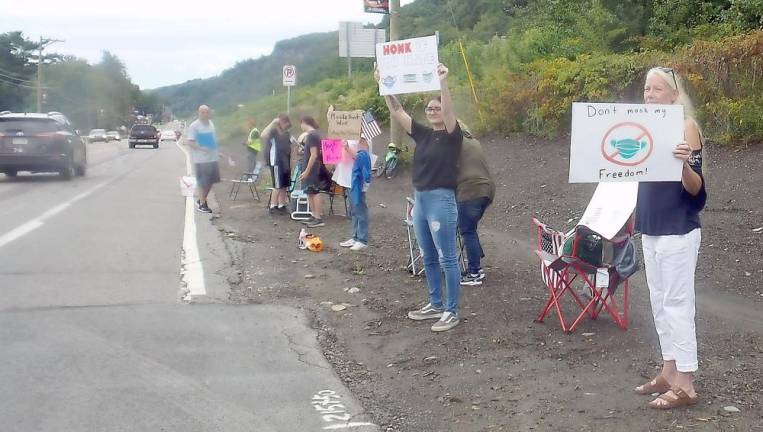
(165, 42)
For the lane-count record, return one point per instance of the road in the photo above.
(95, 335)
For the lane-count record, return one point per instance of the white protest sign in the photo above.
(408, 66)
(289, 75)
(625, 142)
(610, 208)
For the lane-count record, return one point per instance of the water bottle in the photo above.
(302, 235)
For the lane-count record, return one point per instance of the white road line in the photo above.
(347, 425)
(191, 269)
(39, 221)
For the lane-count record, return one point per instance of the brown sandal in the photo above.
(658, 385)
(677, 399)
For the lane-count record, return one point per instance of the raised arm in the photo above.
(396, 111)
(266, 133)
(448, 114)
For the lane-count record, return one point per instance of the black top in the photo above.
(666, 208)
(312, 140)
(435, 160)
(283, 148)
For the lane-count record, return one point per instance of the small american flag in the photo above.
(369, 127)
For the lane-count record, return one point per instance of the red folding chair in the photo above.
(560, 272)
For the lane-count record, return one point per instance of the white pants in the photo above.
(670, 262)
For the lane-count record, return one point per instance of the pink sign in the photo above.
(333, 150)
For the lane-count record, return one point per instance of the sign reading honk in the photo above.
(408, 66)
(625, 142)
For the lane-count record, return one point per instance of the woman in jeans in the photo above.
(667, 215)
(435, 215)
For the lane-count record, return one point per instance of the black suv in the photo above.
(143, 134)
(38, 142)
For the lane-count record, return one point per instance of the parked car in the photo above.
(113, 136)
(97, 135)
(168, 135)
(37, 142)
(142, 134)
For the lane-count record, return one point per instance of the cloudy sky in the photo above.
(168, 41)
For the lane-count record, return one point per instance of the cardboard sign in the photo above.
(408, 66)
(345, 124)
(625, 142)
(333, 151)
(610, 208)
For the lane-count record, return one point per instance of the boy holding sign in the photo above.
(361, 180)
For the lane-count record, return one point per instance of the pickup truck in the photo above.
(141, 134)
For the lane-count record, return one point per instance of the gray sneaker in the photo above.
(425, 313)
(447, 322)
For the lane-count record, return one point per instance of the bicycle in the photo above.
(390, 164)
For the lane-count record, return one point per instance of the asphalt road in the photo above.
(94, 335)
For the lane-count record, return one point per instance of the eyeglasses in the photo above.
(672, 73)
(433, 109)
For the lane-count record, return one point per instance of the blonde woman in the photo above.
(667, 215)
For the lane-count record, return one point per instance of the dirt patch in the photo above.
(500, 371)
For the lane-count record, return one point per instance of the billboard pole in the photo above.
(349, 49)
(395, 131)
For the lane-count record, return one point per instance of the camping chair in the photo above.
(415, 264)
(247, 178)
(297, 197)
(334, 191)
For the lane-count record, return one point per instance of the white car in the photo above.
(168, 135)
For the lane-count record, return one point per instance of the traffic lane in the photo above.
(168, 367)
(121, 244)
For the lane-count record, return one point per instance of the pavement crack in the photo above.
(300, 355)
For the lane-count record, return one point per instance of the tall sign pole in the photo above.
(43, 44)
(289, 81)
(395, 131)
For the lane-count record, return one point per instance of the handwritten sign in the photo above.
(408, 66)
(625, 142)
(610, 208)
(345, 124)
(333, 151)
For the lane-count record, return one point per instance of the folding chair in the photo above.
(333, 192)
(247, 178)
(415, 264)
(297, 197)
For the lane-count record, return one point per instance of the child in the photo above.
(361, 180)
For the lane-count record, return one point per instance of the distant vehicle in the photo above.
(97, 135)
(113, 136)
(168, 135)
(141, 134)
(37, 142)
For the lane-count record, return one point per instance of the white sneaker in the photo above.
(347, 243)
(358, 246)
(446, 322)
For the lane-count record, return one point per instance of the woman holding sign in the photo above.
(313, 177)
(667, 215)
(435, 214)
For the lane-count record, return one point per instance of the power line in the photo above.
(12, 74)
(17, 79)
(2, 80)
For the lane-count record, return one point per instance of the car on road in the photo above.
(113, 136)
(38, 142)
(97, 135)
(168, 135)
(143, 134)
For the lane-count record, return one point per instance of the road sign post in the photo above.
(289, 81)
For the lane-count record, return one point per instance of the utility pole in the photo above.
(395, 131)
(43, 44)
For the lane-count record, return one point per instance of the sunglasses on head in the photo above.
(672, 74)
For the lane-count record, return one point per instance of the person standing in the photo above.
(253, 147)
(435, 214)
(278, 156)
(313, 176)
(361, 180)
(200, 136)
(474, 194)
(667, 215)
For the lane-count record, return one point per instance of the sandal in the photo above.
(675, 398)
(658, 385)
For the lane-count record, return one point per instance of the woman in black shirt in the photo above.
(667, 215)
(435, 214)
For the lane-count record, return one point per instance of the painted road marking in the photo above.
(191, 269)
(329, 404)
(39, 221)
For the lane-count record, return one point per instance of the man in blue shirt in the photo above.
(361, 180)
(201, 138)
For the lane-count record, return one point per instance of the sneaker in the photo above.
(204, 208)
(347, 243)
(358, 246)
(315, 223)
(481, 274)
(308, 221)
(472, 279)
(425, 313)
(273, 211)
(283, 210)
(446, 322)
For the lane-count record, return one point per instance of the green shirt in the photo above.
(253, 142)
(474, 180)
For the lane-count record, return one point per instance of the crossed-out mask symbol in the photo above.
(627, 144)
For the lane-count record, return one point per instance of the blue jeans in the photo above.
(360, 220)
(469, 214)
(435, 220)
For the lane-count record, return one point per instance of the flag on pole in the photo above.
(369, 127)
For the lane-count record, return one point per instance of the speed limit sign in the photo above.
(289, 75)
